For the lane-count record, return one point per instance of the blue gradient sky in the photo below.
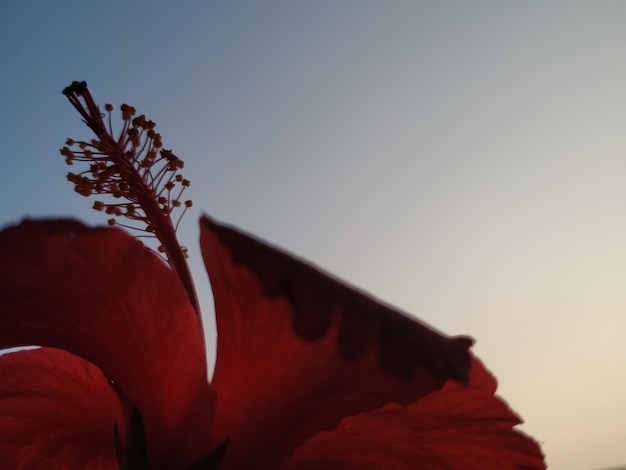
(463, 161)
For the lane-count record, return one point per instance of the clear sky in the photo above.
(463, 161)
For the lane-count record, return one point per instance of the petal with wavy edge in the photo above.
(100, 295)
(298, 350)
(455, 428)
(56, 411)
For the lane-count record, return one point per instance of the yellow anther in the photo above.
(127, 112)
(139, 121)
(83, 191)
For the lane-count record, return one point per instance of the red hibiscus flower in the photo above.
(310, 373)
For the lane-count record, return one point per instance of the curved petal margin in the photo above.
(99, 294)
(298, 350)
(57, 411)
(455, 428)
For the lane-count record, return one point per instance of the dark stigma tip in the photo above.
(76, 87)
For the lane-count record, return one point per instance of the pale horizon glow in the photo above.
(462, 161)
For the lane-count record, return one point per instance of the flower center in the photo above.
(139, 177)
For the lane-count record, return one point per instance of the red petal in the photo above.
(456, 428)
(56, 411)
(100, 295)
(298, 350)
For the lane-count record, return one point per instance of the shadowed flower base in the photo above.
(310, 373)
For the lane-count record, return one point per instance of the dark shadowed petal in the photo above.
(56, 411)
(455, 428)
(298, 350)
(100, 295)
